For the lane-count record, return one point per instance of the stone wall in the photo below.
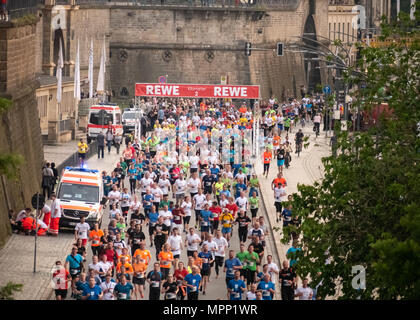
(194, 45)
(19, 126)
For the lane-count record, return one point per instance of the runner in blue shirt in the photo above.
(207, 258)
(148, 198)
(287, 216)
(238, 188)
(236, 287)
(231, 265)
(123, 289)
(74, 263)
(152, 219)
(192, 281)
(267, 287)
(205, 217)
(92, 291)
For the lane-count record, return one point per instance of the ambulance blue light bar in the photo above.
(82, 169)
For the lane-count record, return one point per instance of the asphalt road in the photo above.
(216, 289)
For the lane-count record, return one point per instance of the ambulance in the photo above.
(100, 117)
(80, 192)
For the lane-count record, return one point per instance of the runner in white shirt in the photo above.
(251, 295)
(191, 241)
(108, 288)
(180, 187)
(104, 266)
(164, 184)
(186, 206)
(114, 196)
(198, 201)
(194, 163)
(157, 193)
(242, 202)
(114, 212)
(219, 255)
(304, 292)
(145, 182)
(167, 216)
(273, 269)
(212, 246)
(81, 231)
(193, 184)
(175, 241)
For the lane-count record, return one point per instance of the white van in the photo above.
(129, 119)
(81, 195)
(99, 118)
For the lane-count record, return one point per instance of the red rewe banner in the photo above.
(197, 91)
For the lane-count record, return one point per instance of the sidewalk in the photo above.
(305, 169)
(58, 153)
(17, 256)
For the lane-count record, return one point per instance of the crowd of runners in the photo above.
(170, 195)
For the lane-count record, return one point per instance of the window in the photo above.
(101, 118)
(42, 106)
(79, 192)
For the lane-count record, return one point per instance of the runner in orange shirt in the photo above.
(144, 254)
(128, 266)
(276, 141)
(139, 268)
(126, 255)
(165, 257)
(197, 261)
(95, 236)
(267, 159)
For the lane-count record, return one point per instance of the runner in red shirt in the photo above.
(216, 210)
(179, 275)
(61, 278)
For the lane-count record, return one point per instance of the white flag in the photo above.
(90, 72)
(101, 76)
(59, 74)
(77, 75)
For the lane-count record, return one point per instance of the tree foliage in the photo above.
(366, 209)
(7, 292)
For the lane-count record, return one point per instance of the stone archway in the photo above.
(312, 73)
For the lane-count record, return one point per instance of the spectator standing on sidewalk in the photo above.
(101, 144)
(109, 136)
(117, 142)
(47, 180)
(3, 10)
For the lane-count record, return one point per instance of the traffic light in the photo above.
(248, 48)
(279, 49)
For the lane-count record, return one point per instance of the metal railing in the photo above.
(283, 4)
(19, 8)
(64, 125)
(74, 160)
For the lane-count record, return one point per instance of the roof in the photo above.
(81, 176)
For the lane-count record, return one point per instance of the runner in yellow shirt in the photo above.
(82, 148)
(227, 219)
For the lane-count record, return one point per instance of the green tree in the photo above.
(7, 292)
(366, 209)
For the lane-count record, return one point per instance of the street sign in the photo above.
(162, 79)
(327, 90)
(38, 201)
(224, 80)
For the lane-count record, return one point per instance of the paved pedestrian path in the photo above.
(305, 169)
(17, 256)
